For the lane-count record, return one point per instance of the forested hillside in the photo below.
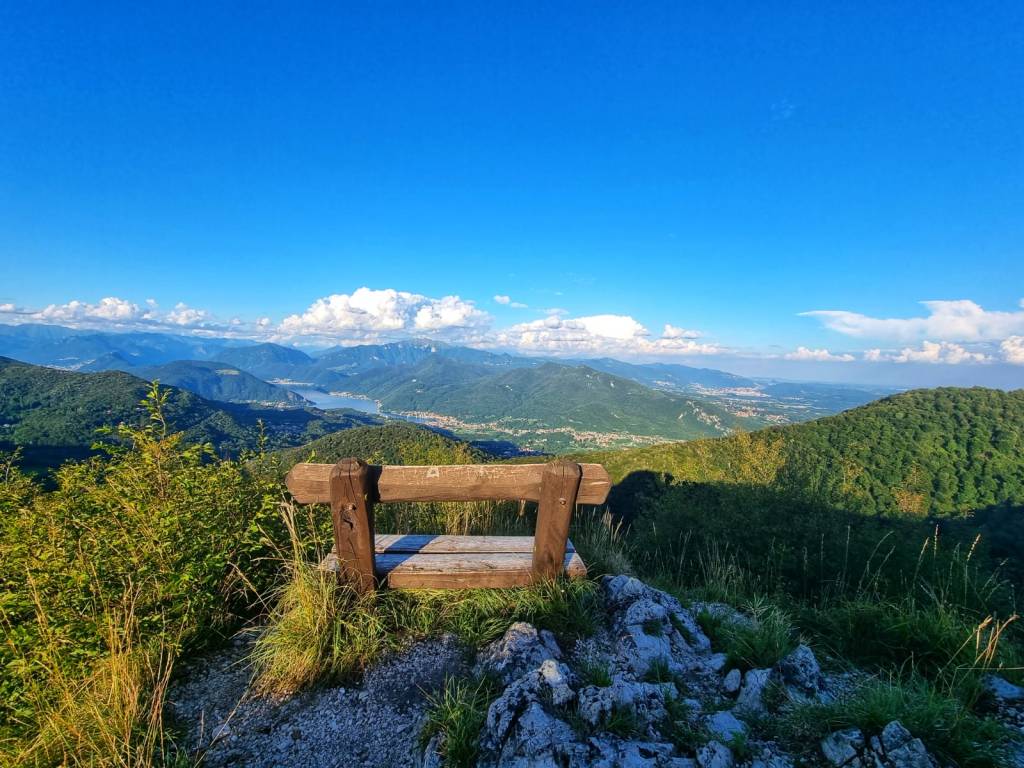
(218, 381)
(547, 397)
(394, 443)
(926, 452)
(54, 415)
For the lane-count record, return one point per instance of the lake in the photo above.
(325, 400)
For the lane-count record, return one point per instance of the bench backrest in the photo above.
(352, 487)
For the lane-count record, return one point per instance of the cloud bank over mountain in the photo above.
(952, 333)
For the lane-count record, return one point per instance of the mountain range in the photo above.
(534, 403)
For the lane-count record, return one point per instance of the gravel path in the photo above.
(375, 724)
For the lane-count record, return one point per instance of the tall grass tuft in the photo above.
(456, 715)
(948, 728)
(319, 627)
(111, 718)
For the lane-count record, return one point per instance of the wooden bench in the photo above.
(360, 556)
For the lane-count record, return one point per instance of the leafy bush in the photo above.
(157, 531)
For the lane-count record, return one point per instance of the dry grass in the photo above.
(113, 718)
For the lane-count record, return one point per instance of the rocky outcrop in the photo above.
(894, 747)
(664, 700)
(653, 628)
(646, 691)
(661, 696)
(521, 649)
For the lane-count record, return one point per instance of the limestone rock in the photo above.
(717, 662)
(731, 683)
(751, 696)
(801, 673)
(901, 750)
(724, 612)
(536, 740)
(896, 747)
(843, 747)
(1003, 690)
(549, 681)
(652, 627)
(521, 649)
(724, 726)
(771, 759)
(612, 752)
(714, 754)
(645, 700)
(432, 754)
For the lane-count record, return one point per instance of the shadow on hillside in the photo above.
(801, 543)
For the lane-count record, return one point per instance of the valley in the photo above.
(534, 404)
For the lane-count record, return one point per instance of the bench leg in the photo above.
(559, 486)
(352, 513)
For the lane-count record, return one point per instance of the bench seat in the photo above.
(457, 562)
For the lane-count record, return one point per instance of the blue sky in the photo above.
(720, 170)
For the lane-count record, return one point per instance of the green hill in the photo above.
(394, 443)
(54, 415)
(557, 404)
(938, 452)
(268, 361)
(218, 381)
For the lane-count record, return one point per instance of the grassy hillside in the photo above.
(218, 381)
(54, 415)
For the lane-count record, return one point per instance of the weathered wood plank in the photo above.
(559, 488)
(460, 571)
(309, 483)
(428, 543)
(352, 513)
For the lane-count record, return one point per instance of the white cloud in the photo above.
(110, 309)
(8, 308)
(507, 301)
(184, 315)
(819, 355)
(675, 332)
(596, 334)
(118, 314)
(1013, 350)
(961, 320)
(929, 352)
(367, 314)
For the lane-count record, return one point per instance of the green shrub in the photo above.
(157, 530)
